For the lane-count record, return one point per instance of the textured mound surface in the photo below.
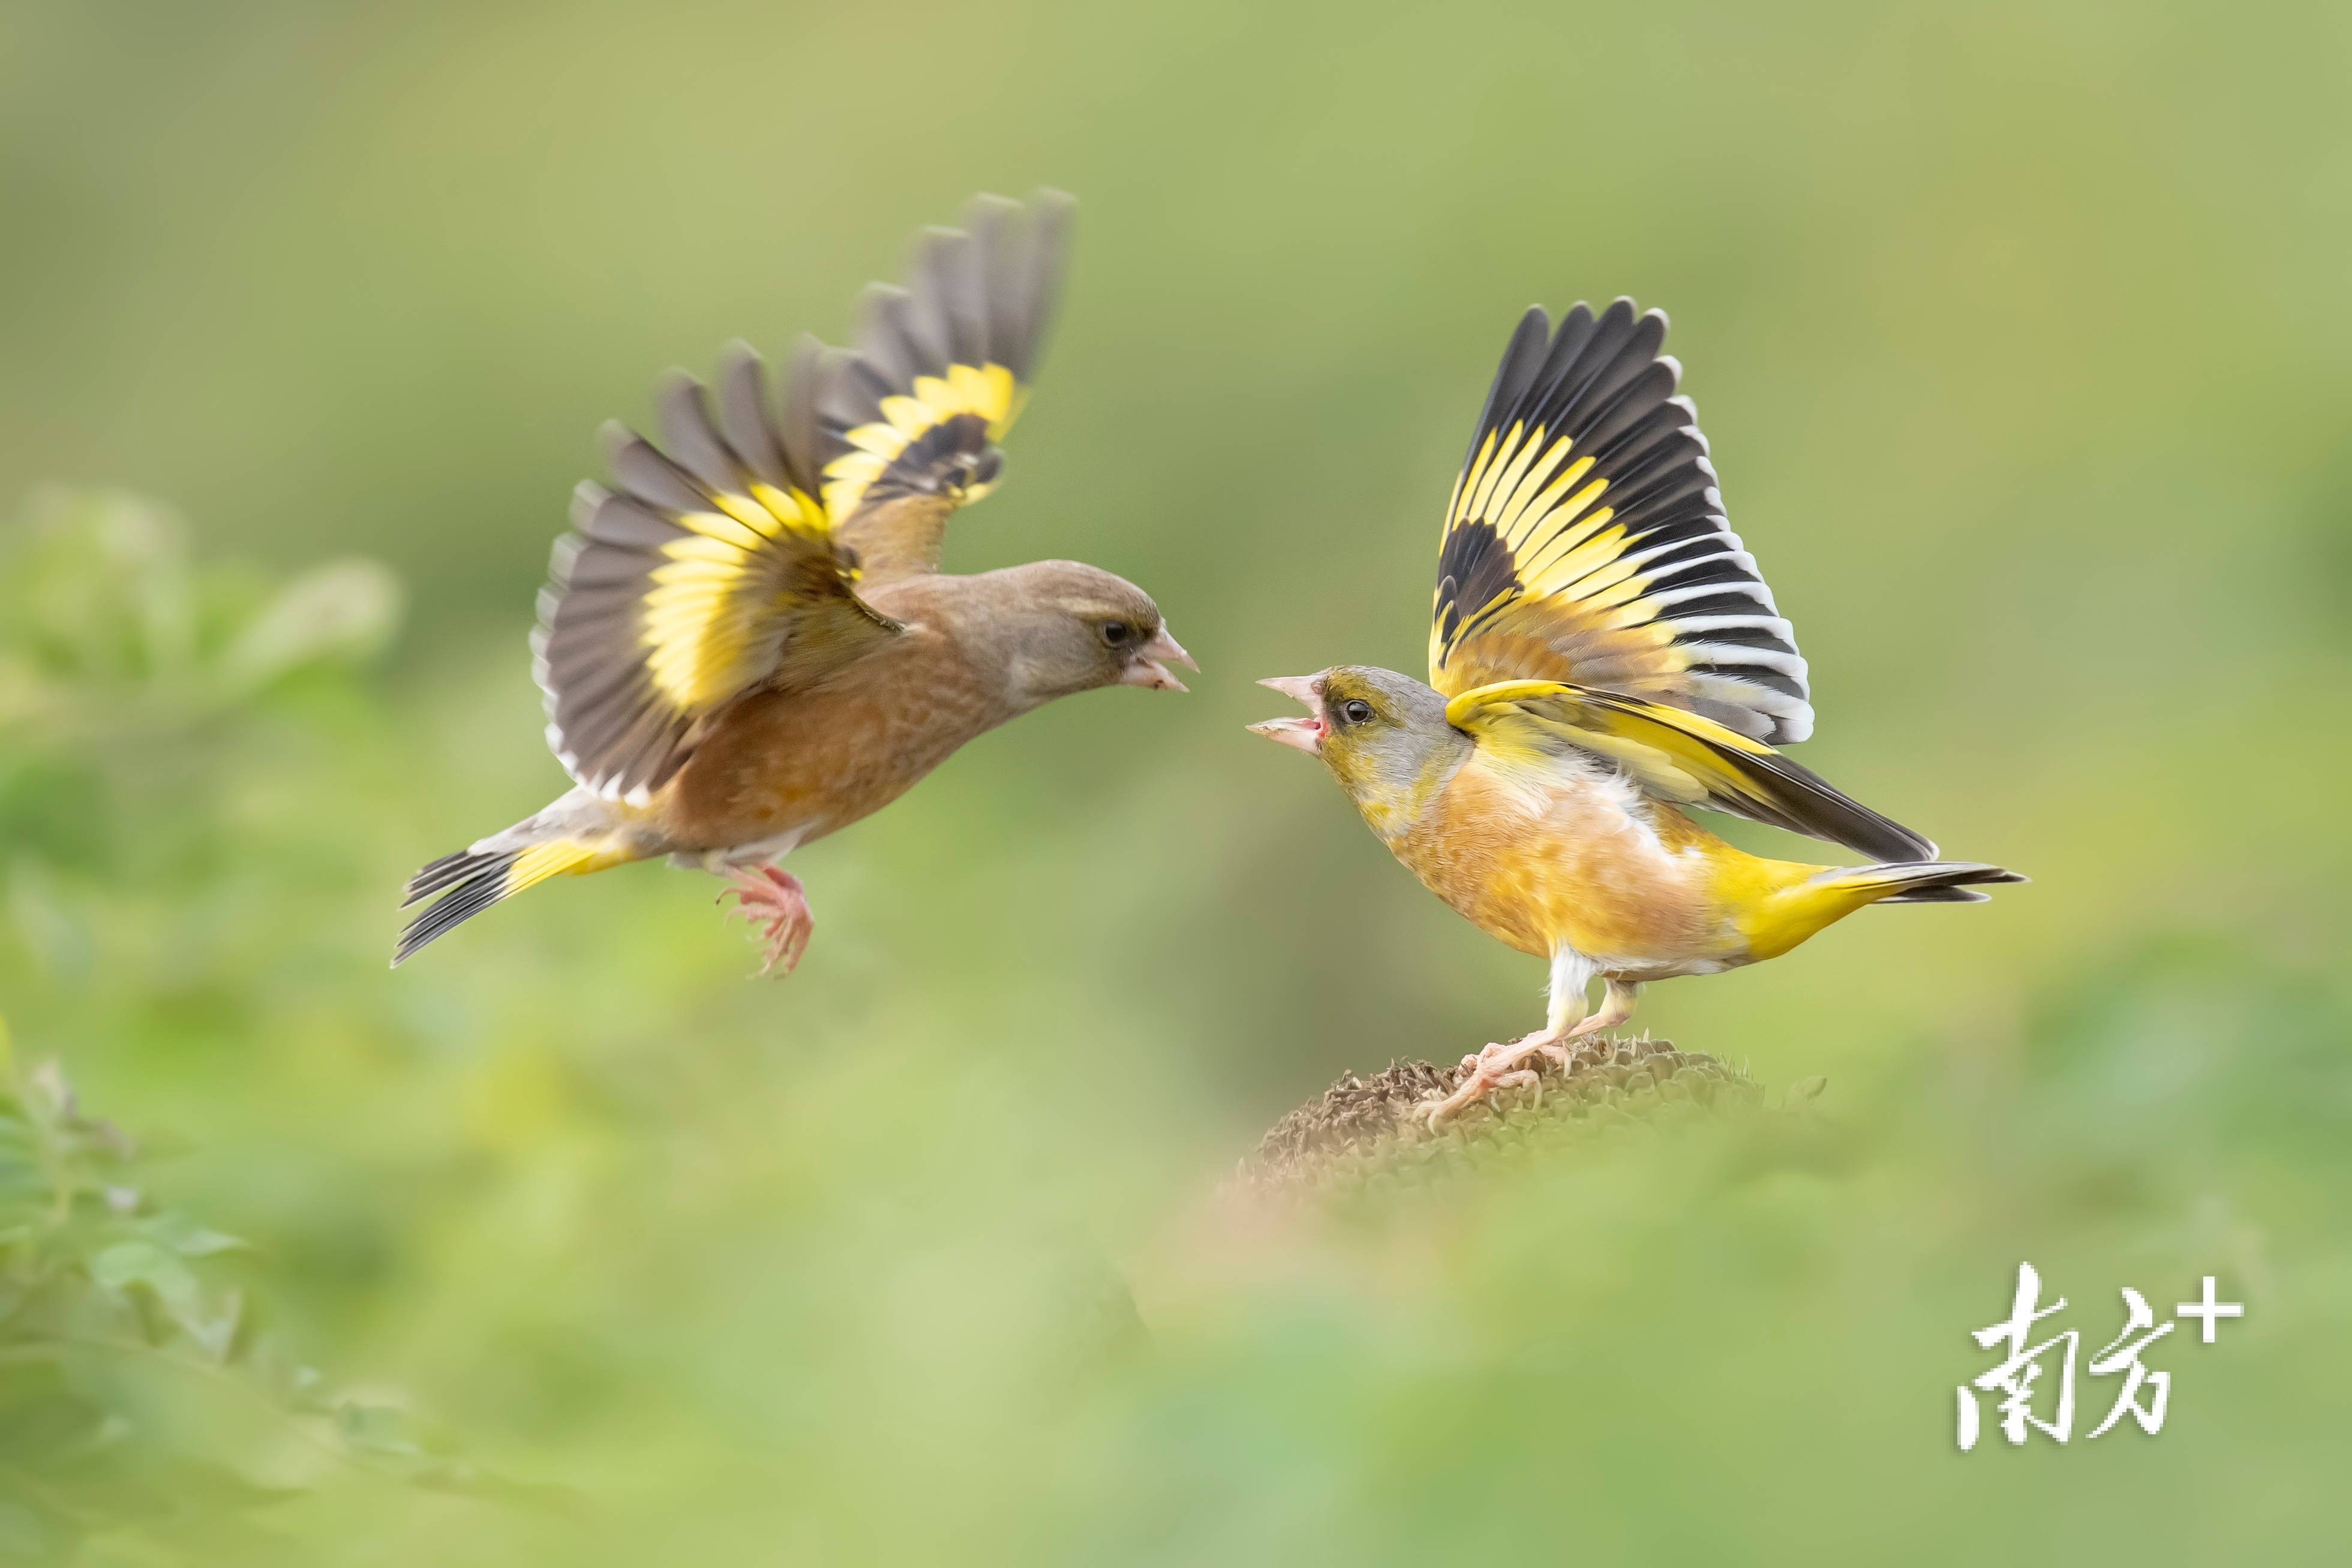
(1364, 1130)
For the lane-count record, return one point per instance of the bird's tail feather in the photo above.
(1809, 902)
(463, 885)
(1923, 881)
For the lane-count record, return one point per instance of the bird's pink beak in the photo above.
(1147, 667)
(1299, 735)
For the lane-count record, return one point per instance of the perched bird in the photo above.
(747, 643)
(1603, 656)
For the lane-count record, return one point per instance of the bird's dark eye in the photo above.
(1355, 711)
(1117, 632)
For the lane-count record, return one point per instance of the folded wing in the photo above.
(1677, 757)
(1585, 540)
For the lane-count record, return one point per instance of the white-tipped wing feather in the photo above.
(1585, 540)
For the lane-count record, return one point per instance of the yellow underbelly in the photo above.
(1583, 864)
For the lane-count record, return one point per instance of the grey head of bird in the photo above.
(1383, 735)
(1068, 628)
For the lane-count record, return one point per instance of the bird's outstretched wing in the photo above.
(1674, 756)
(705, 572)
(905, 424)
(1585, 540)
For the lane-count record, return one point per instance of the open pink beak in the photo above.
(1299, 735)
(1148, 667)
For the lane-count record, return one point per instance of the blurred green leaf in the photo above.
(186, 1238)
(110, 1329)
(130, 1264)
(349, 609)
(377, 1428)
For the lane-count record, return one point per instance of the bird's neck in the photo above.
(1393, 802)
(961, 623)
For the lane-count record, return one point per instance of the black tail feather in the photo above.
(467, 882)
(436, 874)
(1954, 882)
(1941, 896)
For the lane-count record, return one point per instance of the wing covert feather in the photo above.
(1676, 757)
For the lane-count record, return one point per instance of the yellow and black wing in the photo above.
(1675, 756)
(705, 572)
(1585, 540)
(906, 426)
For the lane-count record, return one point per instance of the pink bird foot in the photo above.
(1497, 1067)
(773, 899)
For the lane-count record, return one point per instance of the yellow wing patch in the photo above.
(1515, 490)
(905, 427)
(707, 571)
(703, 609)
(988, 392)
(1583, 539)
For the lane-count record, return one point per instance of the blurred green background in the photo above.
(2020, 332)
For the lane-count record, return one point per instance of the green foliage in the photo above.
(139, 1391)
(126, 665)
(142, 1391)
(115, 632)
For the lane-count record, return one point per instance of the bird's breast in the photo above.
(1580, 862)
(813, 762)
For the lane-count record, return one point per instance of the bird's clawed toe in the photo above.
(773, 898)
(1523, 1077)
(1497, 1067)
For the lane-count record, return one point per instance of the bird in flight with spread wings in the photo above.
(747, 642)
(1603, 655)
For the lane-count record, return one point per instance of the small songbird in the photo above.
(747, 643)
(1604, 654)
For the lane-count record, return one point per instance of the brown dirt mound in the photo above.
(1364, 1127)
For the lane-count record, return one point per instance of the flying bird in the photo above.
(1604, 657)
(746, 642)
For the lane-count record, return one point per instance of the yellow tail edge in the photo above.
(463, 885)
(1800, 908)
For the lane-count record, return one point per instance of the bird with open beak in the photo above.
(1603, 656)
(747, 643)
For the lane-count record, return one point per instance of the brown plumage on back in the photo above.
(747, 644)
